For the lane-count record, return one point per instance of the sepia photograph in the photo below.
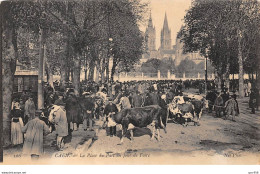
(130, 82)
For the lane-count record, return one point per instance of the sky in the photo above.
(175, 10)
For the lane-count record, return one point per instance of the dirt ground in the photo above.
(215, 141)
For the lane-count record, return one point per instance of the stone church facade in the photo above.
(166, 49)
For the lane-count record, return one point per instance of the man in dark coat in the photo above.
(72, 111)
(111, 109)
(211, 97)
(219, 105)
(88, 107)
(225, 95)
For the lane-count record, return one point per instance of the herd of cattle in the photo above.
(182, 109)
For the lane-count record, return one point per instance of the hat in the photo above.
(59, 103)
(163, 96)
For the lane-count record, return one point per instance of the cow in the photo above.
(140, 117)
(199, 105)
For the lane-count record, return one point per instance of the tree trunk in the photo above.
(227, 80)
(113, 70)
(76, 75)
(107, 70)
(102, 69)
(97, 71)
(86, 73)
(49, 74)
(63, 74)
(219, 81)
(240, 63)
(91, 70)
(40, 70)
(9, 65)
(64, 71)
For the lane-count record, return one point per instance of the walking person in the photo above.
(34, 131)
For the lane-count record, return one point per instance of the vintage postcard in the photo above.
(130, 82)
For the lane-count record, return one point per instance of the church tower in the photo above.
(150, 35)
(166, 42)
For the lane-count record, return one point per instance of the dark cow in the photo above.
(191, 109)
(140, 117)
(198, 108)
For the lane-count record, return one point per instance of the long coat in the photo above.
(219, 103)
(73, 110)
(61, 123)
(231, 107)
(34, 129)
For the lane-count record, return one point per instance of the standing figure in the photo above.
(73, 111)
(88, 106)
(109, 110)
(16, 127)
(34, 131)
(252, 100)
(29, 110)
(61, 124)
(230, 108)
(218, 106)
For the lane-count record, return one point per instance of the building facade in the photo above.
(166, 49)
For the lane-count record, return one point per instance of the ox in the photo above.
(141, 117)
(190, 110)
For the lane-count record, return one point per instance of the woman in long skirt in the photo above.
(16, 127)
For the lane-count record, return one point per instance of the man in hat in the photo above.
(230, 108)
(225, 95)
(88, 107)
(61, 124)
(29, 110)
(34, 130)
(111, 109)
(218, 105)
(73, 111)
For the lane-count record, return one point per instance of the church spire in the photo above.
(150, 23)
(165, 24)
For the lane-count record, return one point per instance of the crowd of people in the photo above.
(64, 110)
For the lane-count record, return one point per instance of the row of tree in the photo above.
(186, 66)
(69, 35)
(227, 32)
